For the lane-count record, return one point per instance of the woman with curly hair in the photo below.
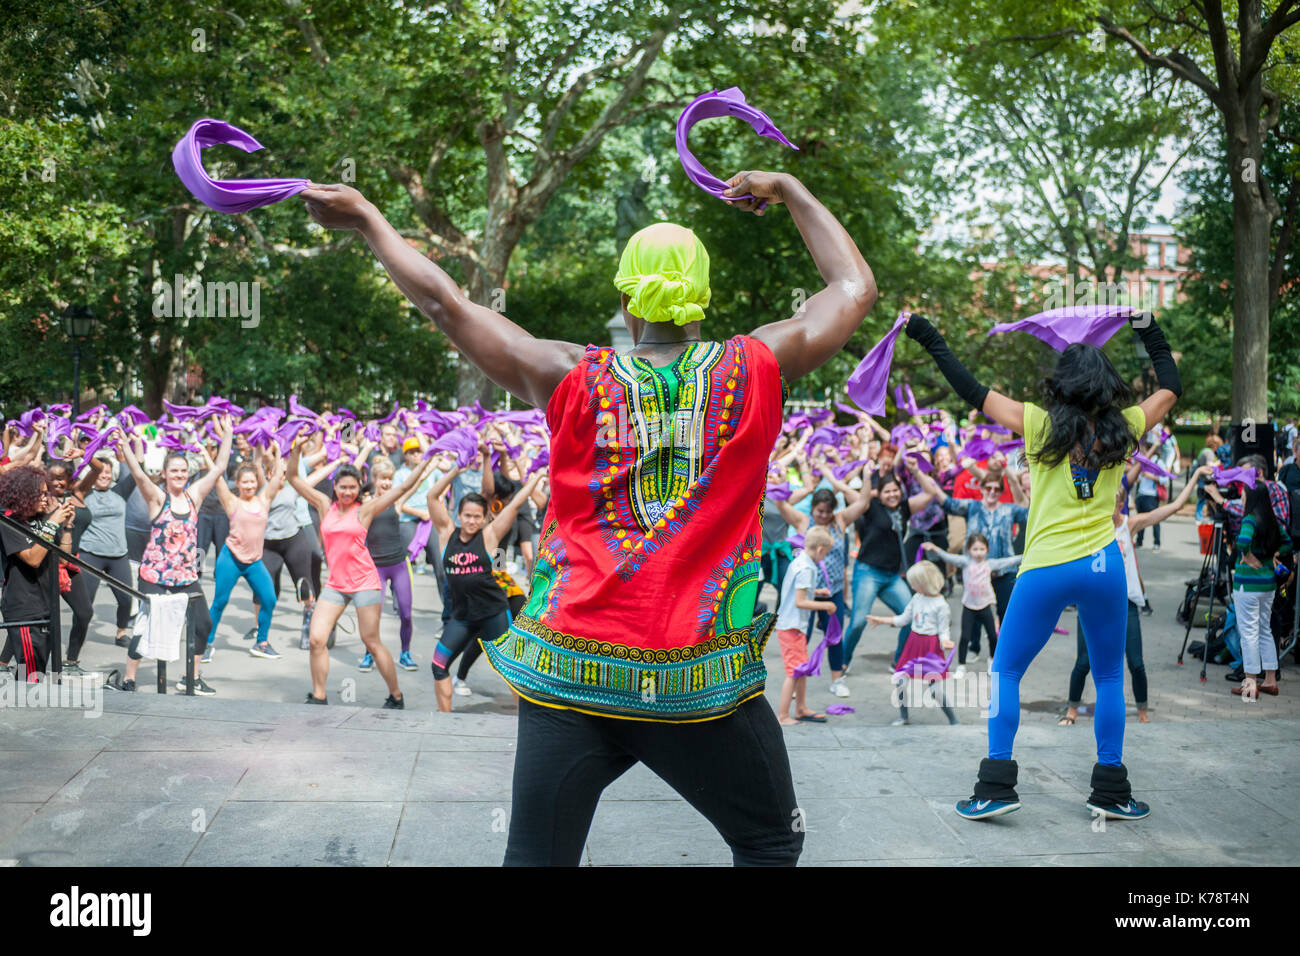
(76, 595)
(25, 497)
(1076, 442)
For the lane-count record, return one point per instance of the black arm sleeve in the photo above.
(1162, 359)
(959, 377)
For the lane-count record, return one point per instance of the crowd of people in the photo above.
(366, 512)
(680, 484)
(929, 492)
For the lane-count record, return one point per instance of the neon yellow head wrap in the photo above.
(665, 273)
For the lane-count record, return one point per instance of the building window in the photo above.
(1153, 255)
(1171, 255)
(1170, 295)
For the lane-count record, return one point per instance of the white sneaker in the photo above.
(839, 688)
(460, 687)
(960, 671)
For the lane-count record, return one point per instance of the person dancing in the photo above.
(1076, 445)
(170, 562)
(344, 524)
(241, 552)
(639, 641)
(479, 608)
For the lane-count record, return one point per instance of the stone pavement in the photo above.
(254, 777)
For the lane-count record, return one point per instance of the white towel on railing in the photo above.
(161, 626)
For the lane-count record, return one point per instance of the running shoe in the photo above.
(367, 663)
(1133, 810)
(839, 688)
(394, 704)
(128, 686)
(264, 650)
(461, 688)
(207, 654)
(407, 662)
(984, 809)
(250, 634)
(960, 671)
(899, 722)
(122, 641)
(72, 669)
(312, 699)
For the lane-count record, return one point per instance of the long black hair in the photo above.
(1085, 398)
(1267, 537)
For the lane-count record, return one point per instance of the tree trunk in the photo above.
(1250, 318)
(487, 287)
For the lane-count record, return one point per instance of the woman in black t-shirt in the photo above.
(882, 558)
(77, 596)
(25, 497)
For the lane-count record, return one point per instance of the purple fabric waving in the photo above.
(463, 441)
(839, 471)
(180, 412)
(729, 102)
(927, 666)
(543, 460)
(869, 380)
(1226, 476)
(834, 632)
(922, 463)
(848, 409)
(978, 448)
(228, 195)
(838, 709)
(1150, 467)
(420, 539)
(780, 492)
(996, 429)
(1007, 447)
(134, 416)
(1060, 328)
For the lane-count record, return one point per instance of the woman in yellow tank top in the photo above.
(1076, 443)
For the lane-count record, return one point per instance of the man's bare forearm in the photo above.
(833, 250)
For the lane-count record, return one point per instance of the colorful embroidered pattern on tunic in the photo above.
(646, 577)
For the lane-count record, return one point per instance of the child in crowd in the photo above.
(799, 593)
(978, 602)
(928, 640)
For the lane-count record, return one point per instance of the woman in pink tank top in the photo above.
(241, 555)
(353, 578)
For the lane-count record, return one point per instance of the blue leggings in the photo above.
(1095, 584)
(259, 579)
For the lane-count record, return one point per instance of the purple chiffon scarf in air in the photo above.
(1070, 325)
(226, 195)
(868, 383)
(813, 666)
(730, 102)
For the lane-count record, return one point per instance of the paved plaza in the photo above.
(252, 776)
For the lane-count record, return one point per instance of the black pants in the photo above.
(1137, 668)
(734, 770)
(1144, 504)
(475, 649)
(198, 619)
(298, 555)
(1003, 584)
(82, 611)
(119, 568)
(458, 636)
(971, 622)
(214, 527)
(31, 646)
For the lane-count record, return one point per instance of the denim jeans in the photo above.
(1147, 503)
(868, 584)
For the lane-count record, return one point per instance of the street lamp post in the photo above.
(78, 323)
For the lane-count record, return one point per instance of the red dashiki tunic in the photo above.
(648, 567)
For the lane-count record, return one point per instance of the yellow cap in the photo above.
(665, 272)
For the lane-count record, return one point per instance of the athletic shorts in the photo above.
(360, 598)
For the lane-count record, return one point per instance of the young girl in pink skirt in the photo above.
(924, 652)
